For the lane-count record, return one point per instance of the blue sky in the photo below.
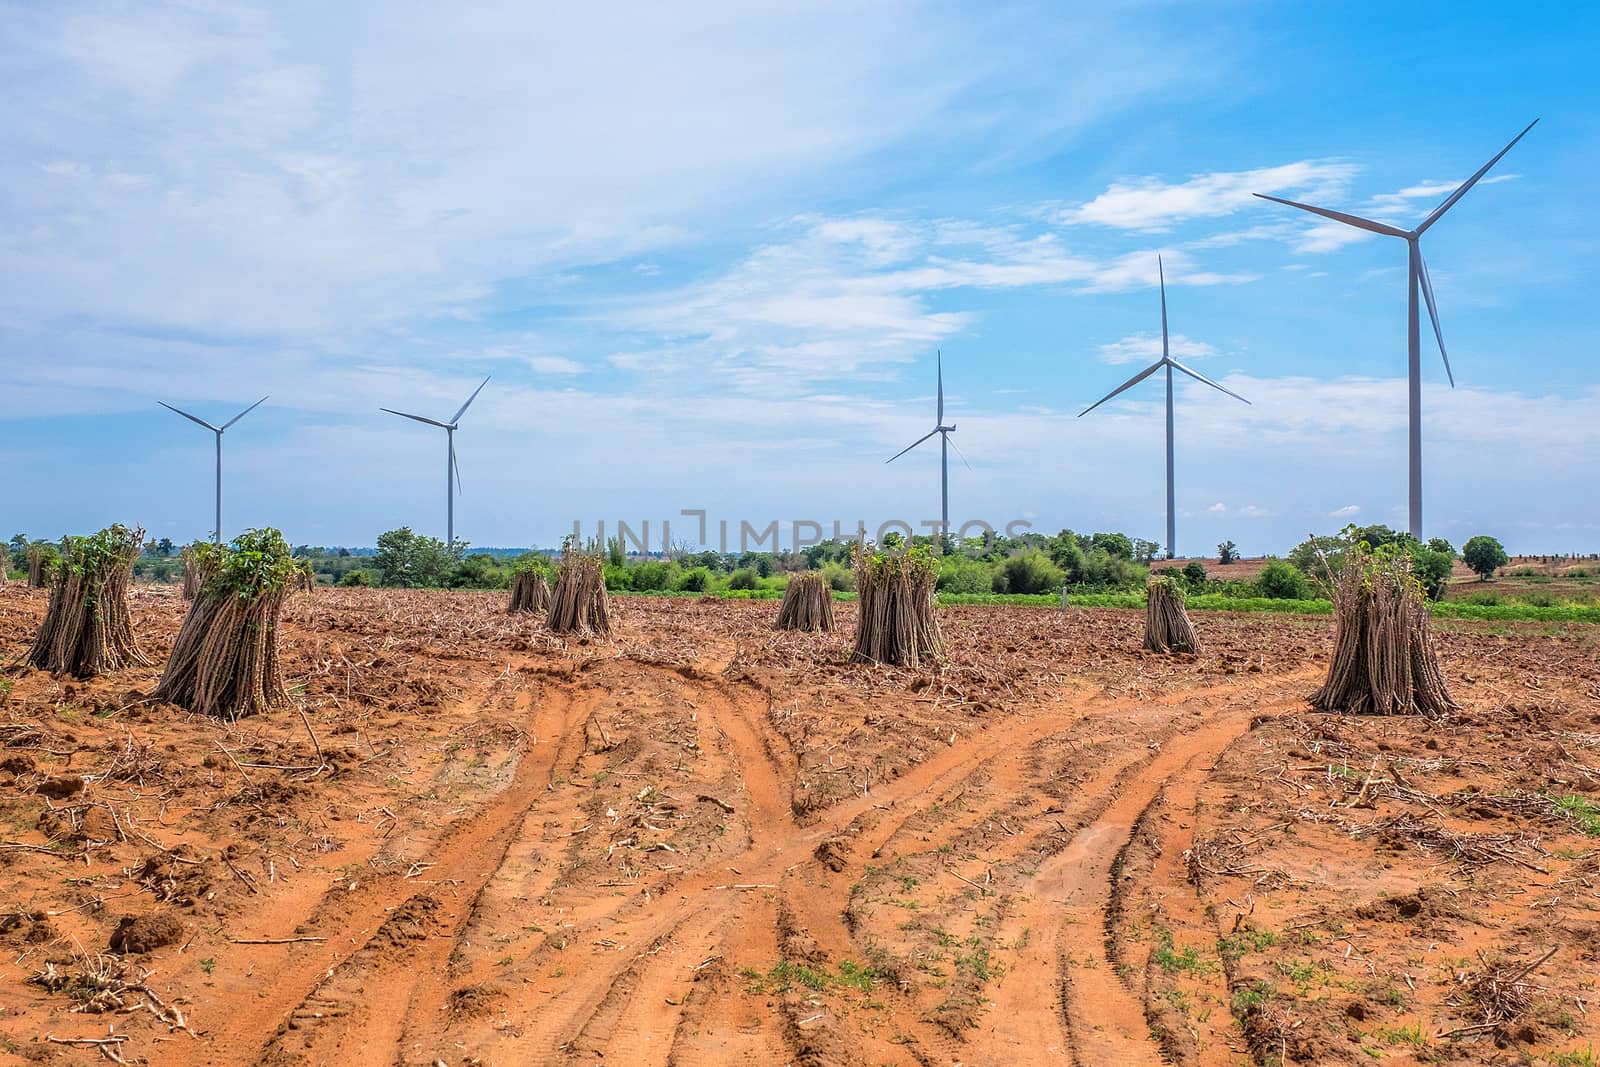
(707, 252)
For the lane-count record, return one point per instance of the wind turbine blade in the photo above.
(456, 463)
(1470, 182)
(912, 445)
(243, 413)
(939, 418)
(1433, 313)
(419, 418)
(1129, 384)
(960, 453)
(1197, 376)
(1339, 216)
(457, 416)
(188, 416)
(1161, 272)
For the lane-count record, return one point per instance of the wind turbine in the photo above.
(1417, 279)
(1166, 361)
(450, 467)
(945, 444)
(216, 535)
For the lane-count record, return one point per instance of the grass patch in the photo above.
(1172, 960)
(1238, 945)
(1581, 810)
(786, 975)
(1403, 1035)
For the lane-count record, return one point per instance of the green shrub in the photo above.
(1279, 580)
(697, 580)
(653, 575)
(618, 578)
(743, 578)
(1195, 575)
(479, 571)
(959, 574)
(1030, 572)
(840, 578)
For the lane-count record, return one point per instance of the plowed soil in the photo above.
(701, 842)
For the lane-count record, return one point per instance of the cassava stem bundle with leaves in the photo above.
(578, 605)
(807, 604)
(530, 589)
(305, 576)
(191, 573)
(42, 560)
(225, 660)
(895, 592)
(1383, 657)
(1166, 626)
(87, 629)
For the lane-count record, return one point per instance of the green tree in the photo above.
(1484, 555)
(406, 560)
(1227, 552)
(1429, 567)
(1144, 551)
(1281, 580)
(743, 578)
(1067, 553)
(1116, 545)
(1194, 573)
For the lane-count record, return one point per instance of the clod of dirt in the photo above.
(473, 1001)
(20, 764)
(411, 921)
(145, 933)
(832, 854)
(1356, 1010)
(32, 928)
(180, 875)
(1423, 904)
(60, 788)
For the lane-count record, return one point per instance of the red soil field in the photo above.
(703, 842)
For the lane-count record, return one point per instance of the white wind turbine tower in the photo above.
(216, 535)
(1169, 364)
(1417, 279)
(451, 468)
(945, 444)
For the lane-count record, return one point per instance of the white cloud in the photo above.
(1145, 347)
(1349, 511)
(555, 365)
(298, 154)
(1153, 205)
(1218, 508)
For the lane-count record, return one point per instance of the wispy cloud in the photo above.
(1146, 348)
(1153, 205)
